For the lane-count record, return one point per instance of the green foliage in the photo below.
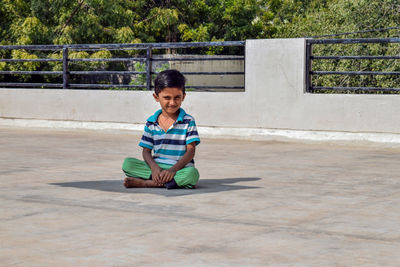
(100, 64)
(78, 65)
(64, 21)
(31, 31)
(56, 66)
(338, 16)
(140, 79)
(66, 37)
(120, 21)
(341, 16)
(24, 66)
(384, 81)
(125, 35)
(199, 34)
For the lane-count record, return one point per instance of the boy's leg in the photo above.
(138, 174)
(184, 178)
(136, 168)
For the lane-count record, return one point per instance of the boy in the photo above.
(172, 136)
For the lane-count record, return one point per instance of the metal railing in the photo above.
(311, 72)
(146, 49)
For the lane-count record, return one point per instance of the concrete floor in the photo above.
(258, 203)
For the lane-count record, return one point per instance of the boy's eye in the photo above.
(168, 97)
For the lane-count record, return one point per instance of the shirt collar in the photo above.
(154, 117)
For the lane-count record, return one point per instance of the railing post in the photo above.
(148, 68)
(308, 66)
(65, 68)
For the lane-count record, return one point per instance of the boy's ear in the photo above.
(183, 98)
(156, 98)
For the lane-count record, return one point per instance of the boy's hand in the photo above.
(155, 175)
(155, 169)
(167, 175)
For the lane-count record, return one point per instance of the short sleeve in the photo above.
(147, 140)
(192, 135)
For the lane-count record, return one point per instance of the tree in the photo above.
(63, 21)
(106, 21)
(338, 16)
(341, 16)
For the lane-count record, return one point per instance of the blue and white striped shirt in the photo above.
(169, 147)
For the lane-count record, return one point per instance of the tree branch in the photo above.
(80, 3)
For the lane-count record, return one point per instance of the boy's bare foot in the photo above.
(137, 182)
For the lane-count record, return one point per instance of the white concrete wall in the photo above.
(211, 66)
(274, 99)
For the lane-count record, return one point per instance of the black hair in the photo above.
(168, 79)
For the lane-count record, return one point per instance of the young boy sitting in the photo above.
(172, 136)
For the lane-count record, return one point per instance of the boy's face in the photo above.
(170, 99)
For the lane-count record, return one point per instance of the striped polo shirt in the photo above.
(169, 147)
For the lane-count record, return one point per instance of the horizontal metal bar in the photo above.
(197, 44)
(106, 59)
(31, 84)
(197, 59)
(106, 72)
(108, 49)
(31, 60)
(144, 86)
(32, 47)
(354, 73)
(212, 73)
(157, 45)
(32, 72)
(124, 59)
(81, 85)
(122, 46)
(56, 85)
(354, 88)
(213, 87)
(354, 57)
(353, 41)
(208, 73)
(155, 59)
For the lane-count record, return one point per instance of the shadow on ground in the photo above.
(204, 186)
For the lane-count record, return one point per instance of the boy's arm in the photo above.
(155, 169)
(168, 175)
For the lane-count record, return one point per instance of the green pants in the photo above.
(185, 178)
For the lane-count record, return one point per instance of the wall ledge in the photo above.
(252, 134)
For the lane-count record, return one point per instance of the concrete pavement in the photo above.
(258, 203)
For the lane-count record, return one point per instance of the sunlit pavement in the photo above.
(62, 203)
